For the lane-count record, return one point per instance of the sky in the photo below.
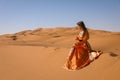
(18, 15)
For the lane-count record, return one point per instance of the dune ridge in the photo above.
(40, 55)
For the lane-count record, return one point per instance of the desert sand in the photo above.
(40, 55)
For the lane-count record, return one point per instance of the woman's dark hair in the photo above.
(81, 23)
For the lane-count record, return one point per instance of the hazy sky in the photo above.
(17, 15)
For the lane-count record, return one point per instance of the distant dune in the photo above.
(40, 54)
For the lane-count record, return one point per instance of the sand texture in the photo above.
(40, 55)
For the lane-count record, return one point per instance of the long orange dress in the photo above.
(79, 54)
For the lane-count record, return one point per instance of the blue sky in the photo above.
(18, 15)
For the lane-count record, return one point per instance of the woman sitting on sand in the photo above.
(81, 53)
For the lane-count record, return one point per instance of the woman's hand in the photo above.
(79, 38)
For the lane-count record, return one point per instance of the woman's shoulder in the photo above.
(86, 31)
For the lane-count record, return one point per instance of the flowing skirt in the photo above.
(78, 57)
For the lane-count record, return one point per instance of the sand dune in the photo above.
(40, 54)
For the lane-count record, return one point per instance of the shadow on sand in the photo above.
(113, 54)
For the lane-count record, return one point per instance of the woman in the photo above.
(81, 53)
